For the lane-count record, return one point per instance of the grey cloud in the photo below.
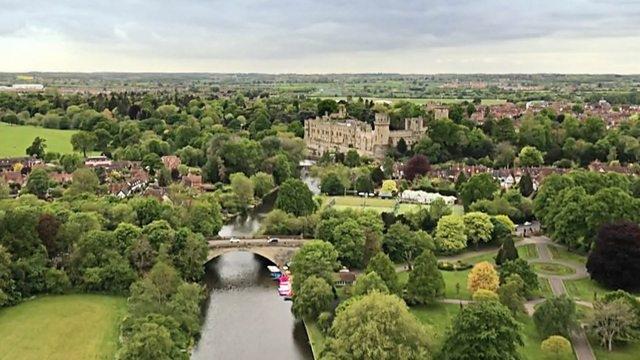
(273, 29)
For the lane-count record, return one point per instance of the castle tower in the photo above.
(342, 111)
(381, 130)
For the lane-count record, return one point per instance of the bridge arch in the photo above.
(275, 254)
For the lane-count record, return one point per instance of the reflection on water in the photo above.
(245, 317)
(243, 225)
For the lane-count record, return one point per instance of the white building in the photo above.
(423, 197)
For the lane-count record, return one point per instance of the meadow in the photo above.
(14, 140)
(66, 327)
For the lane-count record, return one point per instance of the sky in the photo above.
(321, 36)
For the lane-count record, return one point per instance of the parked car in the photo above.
(234, 240)
(272, 240)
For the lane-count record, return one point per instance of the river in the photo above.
(245, 318)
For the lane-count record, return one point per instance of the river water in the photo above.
(245, 318)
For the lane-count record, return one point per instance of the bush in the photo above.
(458, 265)
(555, 316)
(556, 347)
(324, 322)
(56, 281)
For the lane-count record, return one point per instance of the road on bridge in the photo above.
(282, 242)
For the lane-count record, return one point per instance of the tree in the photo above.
(402, 244)
(368, 283)
(480, 186)
(483, 330)
(382, 265)
(614, 260)
(263, 183)
(401, 146)
(38, 183)
(510, 296)
(450, 235)
(484, 295)
(556, 347)
(85, 180)
(83, 141)
(150, 342)
(349, 240)
(314, 297)
(327, 107)
(295, 198)
(507, 251)
(477, 227)
(364, 184)
(352, 158)
(243, 189)
(332, 185)
(426, 283)
(483, 276)
(389, 187)
(7, 284)
(70, 162)
(526, 185)
(530, 156)
(315, 257)
(521, 268)
(502, 228)
(377, 326)
(417, 166)
(555, 316)
(37, 147)
(612, 321)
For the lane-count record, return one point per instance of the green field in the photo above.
(69, 327)
(560, 253)
(420, 101)
(376, 204)
(528, 252)
(14, 140)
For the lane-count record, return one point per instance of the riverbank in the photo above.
(316, 338)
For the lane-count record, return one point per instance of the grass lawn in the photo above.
(620, 351)
(552, 269)
(14, 140)
(584, 289)
(316, 338)
(451, 278)
(439, 316)
(563, 254)
(528, 252)
(64, 327)
(377, 204)
(545, 288)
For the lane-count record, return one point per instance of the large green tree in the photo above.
(377, 326)
(426, 283)
(295, 198)
(315, 296)
(315, 257)
(483, 330)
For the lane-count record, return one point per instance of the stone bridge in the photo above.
(278, 253)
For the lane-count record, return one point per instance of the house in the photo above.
(13, 178)
(61, 178)
(171, 162)
(346, 277)
(97, 161)
(8, 164)
(192, 180)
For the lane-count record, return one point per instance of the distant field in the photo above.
(14, 140)
(70, 327)
(422, 100)
(376, 204)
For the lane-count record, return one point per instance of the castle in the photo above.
(338, 132)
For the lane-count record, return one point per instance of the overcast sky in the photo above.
(304, 36)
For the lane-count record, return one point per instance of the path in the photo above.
(578, 336)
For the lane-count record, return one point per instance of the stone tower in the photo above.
(381, 136)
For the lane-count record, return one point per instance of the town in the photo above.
(312, 180)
